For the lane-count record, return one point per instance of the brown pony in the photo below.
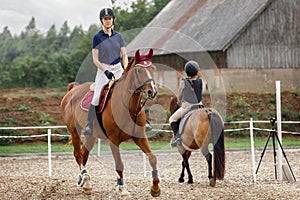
(204, 126)
(123, 118)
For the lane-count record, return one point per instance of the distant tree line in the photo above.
(33, 59)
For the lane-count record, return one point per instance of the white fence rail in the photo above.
(49, 135)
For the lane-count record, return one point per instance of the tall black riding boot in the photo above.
(177, 139)
(88, 130)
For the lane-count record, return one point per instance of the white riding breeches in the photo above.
(101, 80)
(184, 109)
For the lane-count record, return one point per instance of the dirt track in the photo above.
(26, 177)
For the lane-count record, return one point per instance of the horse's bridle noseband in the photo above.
(145, 93)
(140, 83)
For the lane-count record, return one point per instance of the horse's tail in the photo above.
(72, 85)
(217, 130)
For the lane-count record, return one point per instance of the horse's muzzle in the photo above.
(151, 94)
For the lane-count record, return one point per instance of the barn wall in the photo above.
(256, 80)
(271, 41)
(206, 60)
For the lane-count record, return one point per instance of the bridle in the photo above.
(146, 94)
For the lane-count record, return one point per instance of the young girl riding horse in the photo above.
(189, 95)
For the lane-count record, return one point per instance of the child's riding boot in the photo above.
(177, 139)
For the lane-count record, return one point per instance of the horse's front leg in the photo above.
(145, 147)
(119, 169)
(155, 189)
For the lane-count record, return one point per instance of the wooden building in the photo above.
(235, 33)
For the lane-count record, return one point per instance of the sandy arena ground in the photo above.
(26, 177)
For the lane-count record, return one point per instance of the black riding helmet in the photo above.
(107, 12)
(191, 68)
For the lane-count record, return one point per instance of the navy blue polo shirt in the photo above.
(108, 46)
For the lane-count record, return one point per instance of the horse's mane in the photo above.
(130, 64)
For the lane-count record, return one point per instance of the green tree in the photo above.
(138, 15)
(54, 59)
(63, 36)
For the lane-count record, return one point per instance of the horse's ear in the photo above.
(137, 55)
(150, 53)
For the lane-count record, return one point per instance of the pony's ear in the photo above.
(150, 53)
(137, 55)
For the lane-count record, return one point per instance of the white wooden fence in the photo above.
(251, 128)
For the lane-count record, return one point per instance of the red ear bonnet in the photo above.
(143, 60)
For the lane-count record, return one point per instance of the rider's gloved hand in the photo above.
(109, 74)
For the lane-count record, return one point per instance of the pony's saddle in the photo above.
(184, 119)
(104, 96)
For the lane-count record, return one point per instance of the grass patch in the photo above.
(232, 143)
(259, 142)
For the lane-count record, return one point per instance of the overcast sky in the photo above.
(16, 14)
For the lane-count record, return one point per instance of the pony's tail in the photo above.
(217, 130)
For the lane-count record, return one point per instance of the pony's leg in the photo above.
(181, 178)
(186, 155)
(181, 150)
(145, 147)
(208, 156)
(119, 169)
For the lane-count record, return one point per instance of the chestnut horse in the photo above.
(204, 126)
(123, 118)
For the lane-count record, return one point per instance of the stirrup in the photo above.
(88, 130)
(148, 127)
(176, 142)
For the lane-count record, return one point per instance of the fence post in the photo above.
(145, 164)
(252, 150)
(99, 147)
(279, 134)
(49, 152)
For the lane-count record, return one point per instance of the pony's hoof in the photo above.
(190, 181)
(155, 193)
(87, 191)
(181, 180)
(212, 182)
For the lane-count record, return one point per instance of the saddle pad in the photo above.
(86, 101)
(186, 116)
(183, 121)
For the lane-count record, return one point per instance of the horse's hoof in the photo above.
(155, 193)
(181, 180)
(87, 191)
(123, 191)
(212, 182)
(126, 196)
